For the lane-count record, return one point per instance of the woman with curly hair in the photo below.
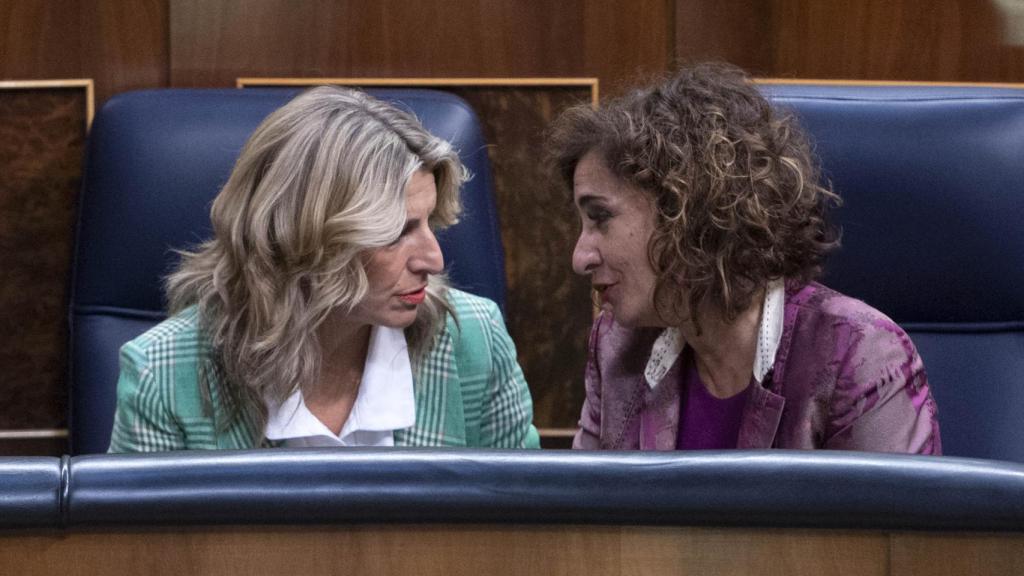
(317, 314)
(703, 229)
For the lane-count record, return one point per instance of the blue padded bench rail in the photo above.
(31, 491)
(819, 489)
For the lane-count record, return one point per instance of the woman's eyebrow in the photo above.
(587, 199)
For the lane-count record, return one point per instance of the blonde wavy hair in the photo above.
(321, 181)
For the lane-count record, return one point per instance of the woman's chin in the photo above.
(621, 317)
(400, 320)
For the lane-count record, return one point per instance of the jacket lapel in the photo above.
(620, 418)
(659, 425)
(436, 383)
(761, 417)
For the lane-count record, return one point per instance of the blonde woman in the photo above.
(317, 314)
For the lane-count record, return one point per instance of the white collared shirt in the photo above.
(385, 402)
(670, 342)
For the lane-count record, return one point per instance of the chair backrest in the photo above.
(933, 235)
(155, 161)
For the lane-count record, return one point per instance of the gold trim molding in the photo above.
(592, 83)
(909, 83)
(87, 83)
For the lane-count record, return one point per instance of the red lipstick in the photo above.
(414, 298)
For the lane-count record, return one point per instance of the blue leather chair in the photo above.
(155, 161)
(933, 183)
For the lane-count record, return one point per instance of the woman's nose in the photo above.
(585, 257)
(428, 259)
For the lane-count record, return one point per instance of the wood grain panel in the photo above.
(42, 137)
(735, 31)
(508, 550)
(625, 42)
(916, 554)
(215, 41)
(549, 309)
(445, 550)
(121, 44)
(962, 40)
(766, 552)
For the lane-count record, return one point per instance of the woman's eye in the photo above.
(409, 227)
(598, 216)
(403, 234)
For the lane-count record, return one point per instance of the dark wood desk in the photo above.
(490, 550)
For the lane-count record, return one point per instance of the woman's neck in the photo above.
(343, 349)
(724, 351)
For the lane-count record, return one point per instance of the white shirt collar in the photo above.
(670, 342)
(769, 334)
(385, 402)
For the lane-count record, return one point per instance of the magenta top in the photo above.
(705, 421)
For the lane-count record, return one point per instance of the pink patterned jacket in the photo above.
(845, 377)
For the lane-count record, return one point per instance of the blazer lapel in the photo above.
(761, 418)
(620, 418)
(763, 412)
(439, 412)
(659, 421)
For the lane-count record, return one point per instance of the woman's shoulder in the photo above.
(160, 393)
(175, 337)
(828, 322)
(472, 309)
(476, 328)
(817, 301)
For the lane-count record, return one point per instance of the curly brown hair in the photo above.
(735, 184)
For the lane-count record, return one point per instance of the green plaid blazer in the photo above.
(469, 389)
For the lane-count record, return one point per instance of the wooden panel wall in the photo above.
(966, 40)
(212, 43)
(926, 40)
(134, 44)
(120, 44)
(42, 137)
(549, 311)
(737, 31)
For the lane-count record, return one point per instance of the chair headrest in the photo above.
(932, 179)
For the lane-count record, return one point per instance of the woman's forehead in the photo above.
(592, 176)
(594, 181)
(421, 191)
